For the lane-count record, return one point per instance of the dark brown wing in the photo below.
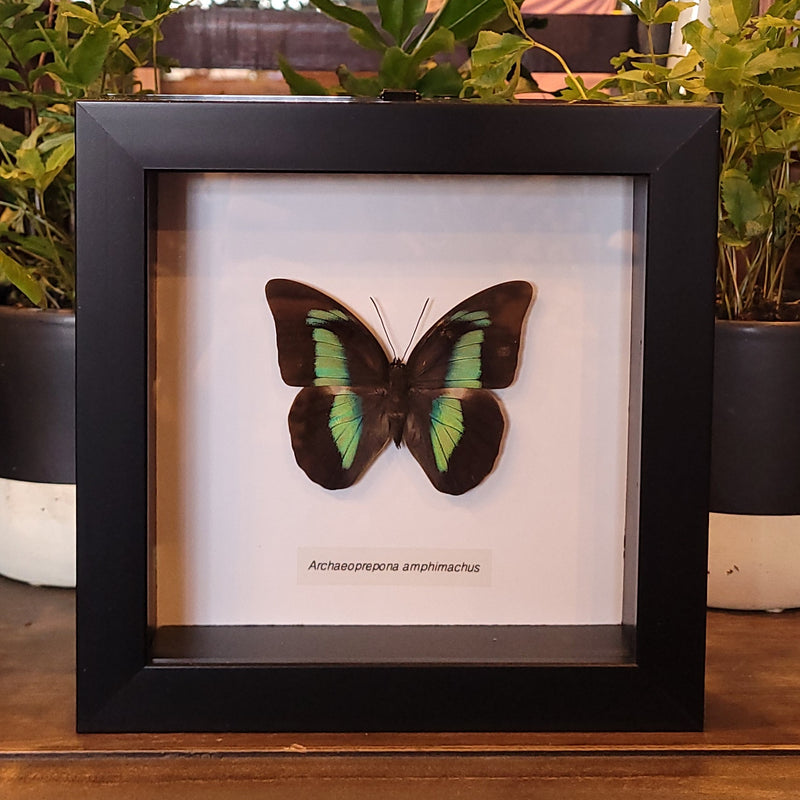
(337, 432)
(455, 435)
(320, 341)
(476, 344)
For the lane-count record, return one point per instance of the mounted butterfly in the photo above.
(355, 399)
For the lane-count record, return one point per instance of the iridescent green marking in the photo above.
(480, 319)
(345, 421)
(464, 369)
(330, 359)
(447, 428)
(316, 316)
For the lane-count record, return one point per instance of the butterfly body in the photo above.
(397, 400)
(355, 399)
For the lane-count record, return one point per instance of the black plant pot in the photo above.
(755, 442)
(37, 395)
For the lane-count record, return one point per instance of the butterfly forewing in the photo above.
(476, 344)
(320, 342)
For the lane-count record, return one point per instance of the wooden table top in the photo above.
(750, 747)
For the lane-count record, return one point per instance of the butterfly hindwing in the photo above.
(320, 342)
(455, 435)
(476, 344)
(337, 432)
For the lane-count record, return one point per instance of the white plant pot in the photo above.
(754, 562)
(37, 532)
(37, 446)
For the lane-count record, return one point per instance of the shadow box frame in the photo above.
(646, 673)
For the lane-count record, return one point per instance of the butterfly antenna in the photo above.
(386, 333)
(416, 327)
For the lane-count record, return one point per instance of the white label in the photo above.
(393, 566)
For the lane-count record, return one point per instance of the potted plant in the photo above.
(51, 54)
(418, 52)
(749, 63)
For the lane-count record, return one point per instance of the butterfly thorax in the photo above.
(397, 405)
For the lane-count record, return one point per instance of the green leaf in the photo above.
(768, 22)
(466, 17)
(621, 59)
(686, 66)
(10, 75)
(86, 60)
(353, 17)
(781, 58)
(12, 9)
(444, 80)
(398, 17)
(786, 138)
(495, 57)
(125, 49)
(60, 157)
(636, 9)
(366, 40)
(515, 15)
(649, 8)
(29, 161)
(702, 39)
(670, 11)
(440, 41)
(727, 72)
(398, 70)
(15, 100)
(730, 15)
(358, 87)
(578, 90)
(19, 276)
(737, 112)
(38, 245)
(299, 84)
(68, 9)
(5, 54)
(60, 111)
(763, 164)
(9, 136)
(56, 140)
(744, 205)
(497, 48)
(30, 50)
(785, 98)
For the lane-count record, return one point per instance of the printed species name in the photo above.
(392, 566)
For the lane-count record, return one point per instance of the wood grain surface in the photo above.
(750, 748)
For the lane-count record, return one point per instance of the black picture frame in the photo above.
(645, 674)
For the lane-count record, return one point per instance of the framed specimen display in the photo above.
(272, 294)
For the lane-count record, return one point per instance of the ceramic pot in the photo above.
(754, 562)
(37, 446)
(755, 439)
(754, 534)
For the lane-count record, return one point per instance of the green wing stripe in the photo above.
(480, 319)
(330, 359)
(464, 369)
(345, 421)
(317, 316)
(447, 428)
